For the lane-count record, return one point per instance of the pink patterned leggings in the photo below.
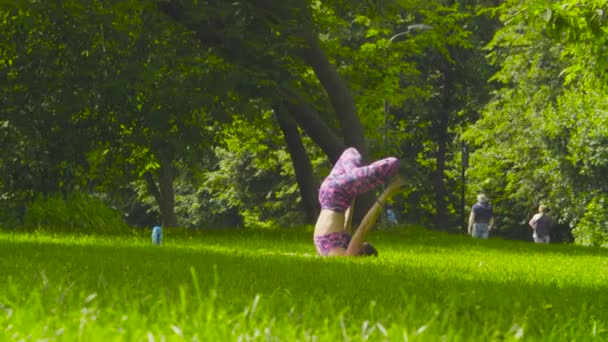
(348, 179)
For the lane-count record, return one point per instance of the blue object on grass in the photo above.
(157, 235)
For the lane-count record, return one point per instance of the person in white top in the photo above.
(541, 223)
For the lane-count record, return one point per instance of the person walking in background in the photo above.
(541, 223)
(481, 220)
(391, 217)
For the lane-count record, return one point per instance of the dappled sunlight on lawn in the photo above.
(274, 279)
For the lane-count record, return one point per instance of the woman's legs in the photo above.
(370, 218)
(363, 179)
(350, 159)
(348, 179)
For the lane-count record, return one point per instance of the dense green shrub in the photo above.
(78, 213)
(592, 230)
(11, 210)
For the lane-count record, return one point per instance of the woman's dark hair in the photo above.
(367, 249)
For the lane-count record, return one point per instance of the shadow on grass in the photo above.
(420, 236)
(359, 279)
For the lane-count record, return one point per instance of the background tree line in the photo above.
(223, 114)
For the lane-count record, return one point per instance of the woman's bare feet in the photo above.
(395, 183)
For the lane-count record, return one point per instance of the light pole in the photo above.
(415, 27)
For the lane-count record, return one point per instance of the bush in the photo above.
(12, 208)
(78, 213)
(592, 230)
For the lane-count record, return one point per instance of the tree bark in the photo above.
(310, 121)
(301, 163)
(166, 176)
(163, 192)
(339, 96)
(438, 177)
(335, 87)
(345, 108)
(442, 142)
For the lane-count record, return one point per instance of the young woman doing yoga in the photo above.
(348, 179)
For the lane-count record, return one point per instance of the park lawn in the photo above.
(270, 286)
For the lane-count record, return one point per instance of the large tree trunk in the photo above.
(441, 219)
(167, 195)
(310, 121)
(339, 96)
(336, 89)
(346, 111)
(163, 192)
(301, 163)
(439, 178)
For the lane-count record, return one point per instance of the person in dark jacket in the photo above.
(481, 220)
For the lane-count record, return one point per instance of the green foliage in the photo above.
(542, 136)
(583, 28)
(140, 92)
(16, 186)
(78, 213)
(254, 175)
(11, 211)
(592, 230)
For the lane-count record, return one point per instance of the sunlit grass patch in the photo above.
(244, 285)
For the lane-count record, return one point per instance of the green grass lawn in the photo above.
(270, 286)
